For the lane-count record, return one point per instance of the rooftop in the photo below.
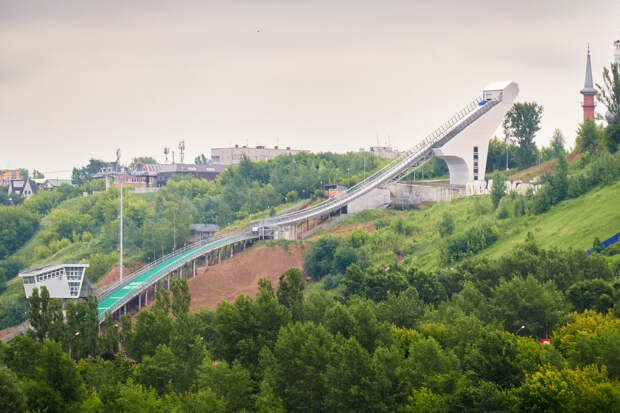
(50, 267)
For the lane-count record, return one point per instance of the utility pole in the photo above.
(364, 157)
(506, 152)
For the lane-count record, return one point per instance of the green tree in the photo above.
(291, 292)
(402, 310)
(230, 383)
(44, 313)
(37, 175)
(344, 256)
(17, 225)
(431, 366)
(588, 136)
(500, 153)
(538, 306)
(351, 380)
(353, 281)
(181, 297)
(151, 329)
(609, 93)
(82, 328)
(559, 180)
(200, 159)
(11, 393)
(498, 189)
(567, 390)
(521, 123)
(591, 294)
(495, 358)
(319, 260)
(558, 143)
(57, 384)
(244, 327)
(296, 370)
(94, 166)
(161, 371)
(144, 159)
(612, 137)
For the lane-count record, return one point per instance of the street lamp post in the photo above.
(516, 333)
(77, 333)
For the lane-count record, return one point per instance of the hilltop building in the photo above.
(6, 175)
(156, 175)
(588, 92)
(25, 188)
(385, 152)
(232, 156)
(61, 280)
(49, 184)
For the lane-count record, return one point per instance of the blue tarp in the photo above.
(607, 242)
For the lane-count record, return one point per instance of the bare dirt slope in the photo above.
(114, 274)
(240, 275)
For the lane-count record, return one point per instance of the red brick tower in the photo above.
(588, 92)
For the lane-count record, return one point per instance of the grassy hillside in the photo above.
(572, 223)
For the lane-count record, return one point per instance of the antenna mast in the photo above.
(181, 150)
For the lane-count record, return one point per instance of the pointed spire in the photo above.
(588, 88)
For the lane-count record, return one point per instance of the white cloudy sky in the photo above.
(79, 78)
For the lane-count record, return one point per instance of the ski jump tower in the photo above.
(466, 153)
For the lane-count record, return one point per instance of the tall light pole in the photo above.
(506, 152)
(118, 157)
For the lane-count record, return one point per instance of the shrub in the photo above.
(319, 260)
(504, 205)
(445, 226)
(381, 223)
(469, 243)
(57, 245)
(41, 251)
(100, 264)
(332, 281)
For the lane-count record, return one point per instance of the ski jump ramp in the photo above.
(462, 141)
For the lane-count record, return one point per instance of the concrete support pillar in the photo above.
(139, 301)
(219, 255)
(232, 248)
(194, 264)
(168, 282)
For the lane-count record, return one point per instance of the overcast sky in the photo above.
(79, 79)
